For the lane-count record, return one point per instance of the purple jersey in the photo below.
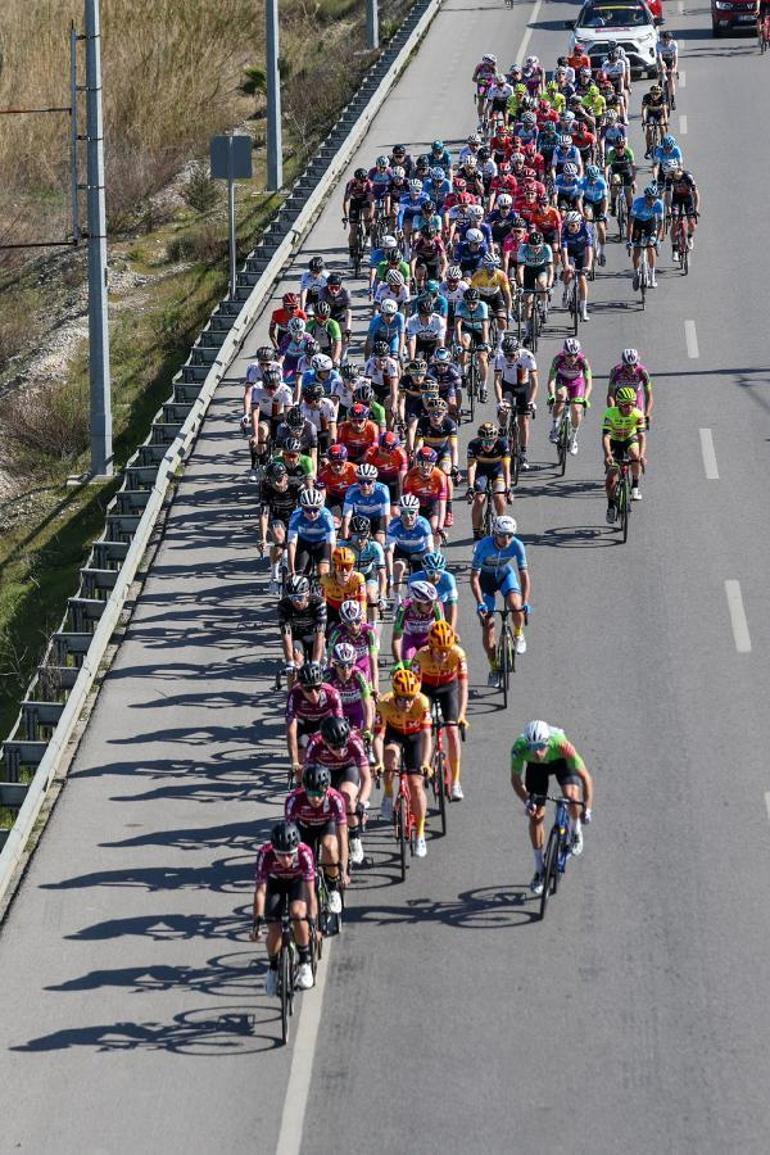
(298, 808)
(412, 626)
(354, 754)
(353, 693)
(364, 642)
(301, 865)
(303, 709)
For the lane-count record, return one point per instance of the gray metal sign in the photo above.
(231, 157)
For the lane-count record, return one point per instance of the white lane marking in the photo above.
(709, 456)
(683, 126)
(680, 8)
(301, 1072)
(767, 803)
(691, 337)
(738, 617)
(682, 78)
(528, 33)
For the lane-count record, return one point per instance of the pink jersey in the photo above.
(301, 865)
(303, 709)
(354, 754)
(364, 642)
(636, 376)
(566, 369)
(353, 693)
(298, 808)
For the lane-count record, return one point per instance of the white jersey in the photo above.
(312, 282)
(376, 375)
(521, 366)
(500, 91)
(385, 293)
(667, 50)
(264, 401)
(326, 411)
(342, 391)
(432, 329)
(254, 371)
(453, 296)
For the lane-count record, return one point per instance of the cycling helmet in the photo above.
(474, 236)
(349, 371)
(565, 140)
(381, 349)
(537, 734)
(437, 145)
(510, 344)
(360, 526)
(434, 561)
(388, 308)
(437, 175)
(454, 273)
(399, 149)
(476, 213)
(316, 264)
(296, 326)
(344, 654)
(389, 440)
(409, 504)
(321, 363)
(334, 280)
(417, 368)
(399, 173)
(276, 470)
(316, 778)
(670, 167)
(505, 200)
(313, 391)
(441, 636)
(487, 430)
(442, 356)
(490, 262)
(504, 524)
(338, 452)
(535, 238)
(655, 90)
(426, 456)
(432, 288)
(290, 301)
(395, 277)
(573, 218)
(571, 346)
(311, 674)
(489, 58)
(592, 171)
(350, 611)
(473, 138)
(423, 591)
(471, 296)
(311, 499)
(570, 169)
(359, 412)
(366, 472)
(381, 162)
(360, 174)
(335, 731)
(343, 557)
(322, 310)
(630, 357)
(284, 837)
(292, 445)
(271, 376)
(437, 407)
(626, 395)
(415, 186)
(297, 586)
(529, 119)
(425, 302)
(668, 141)
(651, 190)
(364, 393)
(265, 353)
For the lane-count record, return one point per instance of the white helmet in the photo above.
(389, 242)
(409, 503)
(489, 58)
(321, 363)
(311, 499)
(389, 308)
(395, 277)
(504, 524)
(399, 172)
(571, 346)
(476, 212)
(366, 472)
(505, 200)
(532, 62)
(537, 733)
(424, 591)
(296, 326)
(415, 186)
(630, 357)
(474, 236)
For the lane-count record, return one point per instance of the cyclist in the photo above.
(311, 536)
(494, 290)
(410, 205)
(388, 326)
(409, 538)
(402, 736)
(621, 172)
(667, 150)
(472, 333)
(343, 752)
(683, 198)
(370, 563)
(428, 256)
(336, 476)
(302, 623)
(623, 435)
(763, 17)
(389, 458)
(367, 498)
(437, 431)
(268, 400)
(382, 372)
(425, 329)
(321, 412)
(489, 473)
(279, 319)
(343, 584)
(577, 254)
(311, 283)
(354, 631)
(569, 381)
(483, 75)
(428, 483)
(299, 467)
(326, 331)
(358, 433)
(393, 288)
(443, 670)
(595, 192)
(449, 381)
(630, 371)
(435, 571)
(654, 112)
(308, 702)
(534, 272)
(646, 223)
(358, 204)
(496, 560)
(319, 813)
(364, 393)
(667, 55)
(277, 503)
(338, 298)
(295, 426)
(353, 688)
(540, 751)
(413, 620)
(285, 875)
(296, 346)
(516, 380)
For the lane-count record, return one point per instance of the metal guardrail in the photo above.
(56, 696)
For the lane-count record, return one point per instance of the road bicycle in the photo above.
(511, 431)
(643, 273)
(621, 206)
(538, 316)
(505, 653)
(379, 223)
(441, 773)
(573, 302)
(474, 383)
(558, 848)
(565, 433)
(404, 822)
(356, 244)
(680, 247)
(329, 922)
(667, 77)
(288, 965)
(622, 494)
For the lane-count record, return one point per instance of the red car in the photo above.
(728, 14)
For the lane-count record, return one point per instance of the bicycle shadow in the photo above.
(486, 908)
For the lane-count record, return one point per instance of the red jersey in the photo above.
(337, 483)
(353, 754)
(581, 137)
(300, 708)
(299, 808)
(300, 865)
(548, 220)
(358, 441)
(578, 60)
(430, 488)
(506, 183)
(390, 462)
(455, 199)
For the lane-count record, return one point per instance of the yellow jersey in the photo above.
(335, 593)
(623, 426)
(439, 669)
(489, 282)
(406, 722)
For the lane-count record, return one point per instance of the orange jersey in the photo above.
(358, 441)
(430, 488)
(337, 484)
(389, 462)
(547, 220)
(436, 669)
(411, 721)
(335, 593)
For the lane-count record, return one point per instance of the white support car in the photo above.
(629, 23)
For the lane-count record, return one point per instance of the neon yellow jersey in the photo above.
(623, 426)
(596, 105)
(557, 101)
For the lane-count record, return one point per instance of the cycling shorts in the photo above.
(532, 274)
(575, 386)
(579, 259)
(308, 551)
(281, 892)
(413, 407)
(682, 206)
(410, 748)
(448, 698)
(413, 560)
(625, 176)
(517, 394)
(490, 478)
(356, 207)
(537, 775)
(312, 835)
(643, 233)
(506, 583)
(495, 303)
(347, 773)
(619, 449)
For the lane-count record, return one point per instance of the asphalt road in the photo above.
(636, 1017)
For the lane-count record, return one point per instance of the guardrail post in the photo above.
(372, 24)
(274, 138)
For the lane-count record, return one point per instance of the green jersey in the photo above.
(559, 749)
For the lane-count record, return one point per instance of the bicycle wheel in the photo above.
(438, 783)
(472, 389)
(624, 506)
(643, 280)
(621, 214)
(285, 979)
(515, 462)
(562, 445)
(534, 326)
(400, 824)
(488, 516)
(503, 655)
(685, 256)
(575, 307)
(549, 870)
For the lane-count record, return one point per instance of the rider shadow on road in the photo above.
(486, 908)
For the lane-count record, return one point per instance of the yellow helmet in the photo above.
(441, 636)
(405, 683)
(343, 557)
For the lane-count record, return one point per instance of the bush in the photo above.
(200, 192)
(51, 424)
(204, 245)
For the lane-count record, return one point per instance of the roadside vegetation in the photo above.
(174, 74)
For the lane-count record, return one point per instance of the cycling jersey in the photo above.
(622, 426)
(411, 624)
(566, 368)
(369, 557)
(380, 180)
(265, 400)
(363, 640)
(377, 373)
(383, 267)
(488, 457)
(594, 191)
(661, 154)
(303, 622)
(431, 330)
(386, 292)
(654, 106)
(311, 377)
(300, 866)
(472, 320)
(517, 367)
(280, 503)
(335, 593)
(391, 332)
(446, 586)
(440, 670)
(667, 50)
(389, 463)
(620, 160)
(535, 256)
(353, 753)
(559, 749)
(438, 436)
(577, 243)
(491, 559)
(426, 489)
(417, 539)
(324, 410)
(489, 284)
(336, 483)
(319, 529)
(300, 708)
(372, 503)
(332, 808)
(635, 376)
(413, 720)
(358, 441)
(567, 188)
(470, 259)
(644, 212)
(354, 692)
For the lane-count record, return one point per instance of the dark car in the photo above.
(728, 14)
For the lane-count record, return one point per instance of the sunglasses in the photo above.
(315, 794)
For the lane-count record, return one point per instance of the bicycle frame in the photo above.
(557, 847)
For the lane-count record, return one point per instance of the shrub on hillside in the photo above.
(48, 425)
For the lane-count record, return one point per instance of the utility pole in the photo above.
(274, 140)
(98, 332)
(372, 24)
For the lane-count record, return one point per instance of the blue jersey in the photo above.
(309, 377)
(369, 557)
(579, 241)
(489, 559)
(314, 529)
(468, 259)
(408, 206)
(374, 503)
(440, 306)
(562, 156)
(472, 320)
(417, 539)
(380, 331)
(446, 586)
(662, 154)
(642, 210)
(567, 187)
(437, 191)
(593, 191)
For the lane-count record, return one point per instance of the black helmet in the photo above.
(271, 376)
(360, 174)
(471, 295)
(265, 353)
(349, 371)
(335, 731)
(313, 391)
(276, 470)
(297, 586)
(311, 674)
(292, 445)
(364, 393)
(360, 525)
(381, 348)
(322, 309)
(316, 264)
(316, 777)
(510, 344)
(294, 417)
(334, 279)
(284, 837)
